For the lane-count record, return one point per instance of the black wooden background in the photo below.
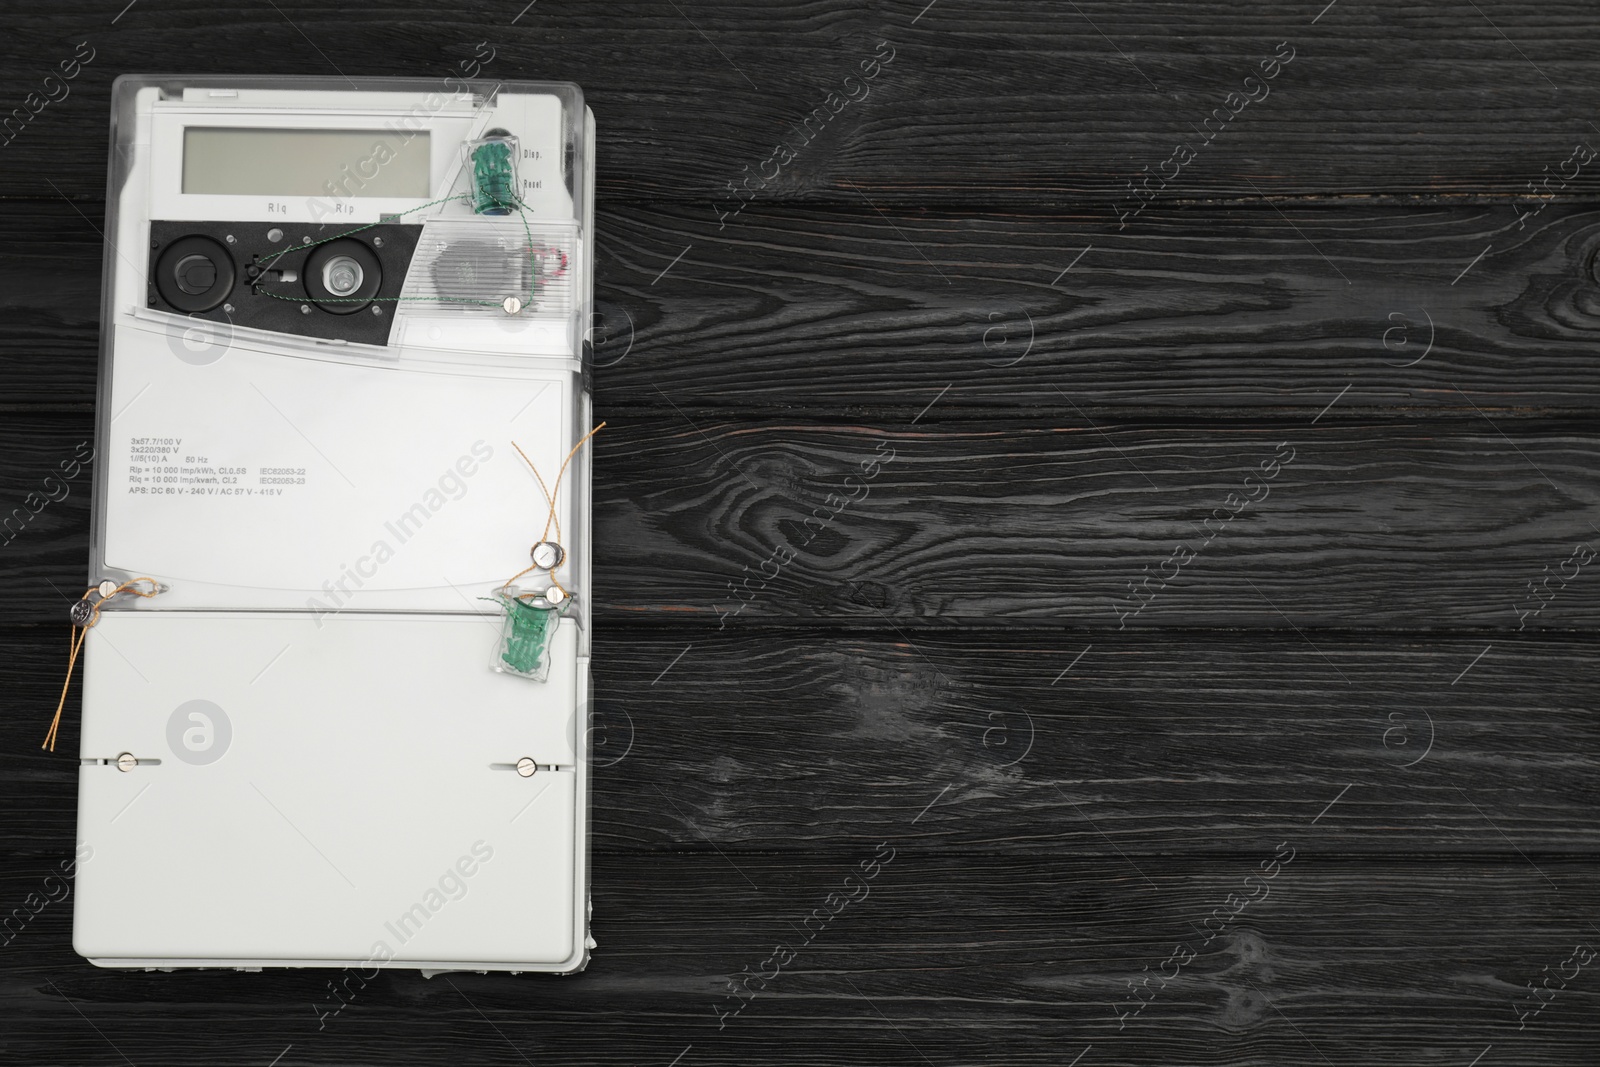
(947, 325)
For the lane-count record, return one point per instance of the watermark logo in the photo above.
(604, 339)
(52, 89)
(609, 735)
(199, 732)
(1399, 339)
(810, 128)
(1009, 736)
(53, 490)
(198, 341)
(1409, 739)
(452, 484)
(1008, 339)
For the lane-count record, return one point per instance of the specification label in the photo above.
(165, 466)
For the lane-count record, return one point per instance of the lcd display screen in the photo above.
(258, 161)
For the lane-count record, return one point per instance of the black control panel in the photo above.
(331, 282)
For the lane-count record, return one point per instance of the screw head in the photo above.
(377, 242)
(228, 308)
(82, 611)
(376, 310)
(526, 766)
(512, 305)
(305, 309)
(548, 554)
(230, 239)
(274, 235)
(126, 762)
(554, 595)
(106, 588)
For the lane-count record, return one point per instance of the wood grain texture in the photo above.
(1217, 312)
(1022, 744)
(1205, 311)
(991, 103)
(963, 961)
(1371, 526)
(949, 663)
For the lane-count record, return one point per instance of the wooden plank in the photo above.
(959, 959)
(1031, 743)
(1062, 522)
(989, 103)
(1099, 743)
(1219, 311)
(1067, 523)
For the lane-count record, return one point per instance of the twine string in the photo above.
(80, 633)
(550, 519)
(514, 201)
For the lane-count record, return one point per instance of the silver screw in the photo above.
(377, 242)
(305, 309)
(376, 310)
(305, 240)
(554, 594)
(82, 611)
(512, 305)
(106, 588)
(126, 762)
(229, 239)
(228, 308)
(526, 766)
(274, 235)
(548, 554)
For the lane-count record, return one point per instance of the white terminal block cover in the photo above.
(299, 752)
(306, 788)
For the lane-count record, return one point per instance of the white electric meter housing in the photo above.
(343, 326)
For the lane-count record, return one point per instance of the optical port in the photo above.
(342, 276)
